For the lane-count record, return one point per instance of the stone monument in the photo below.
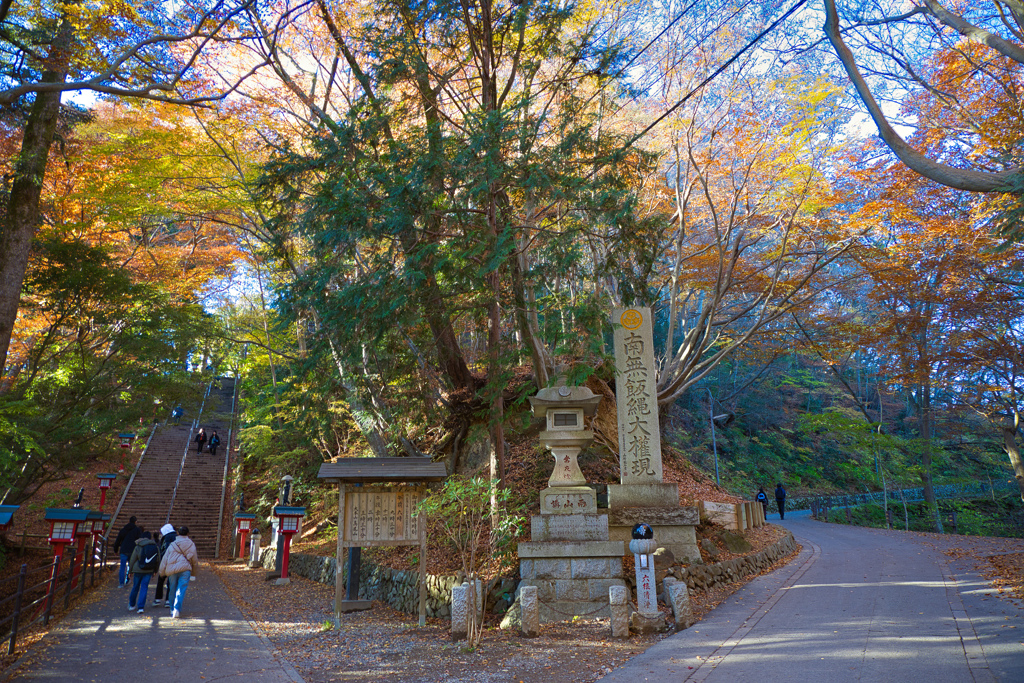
(642, 496)
(569, 559)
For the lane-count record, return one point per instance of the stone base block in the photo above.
(657, 495)
(282, 582)
(568, 500)
(565, 610)
(638, 623)
(578, 527)
(356, 605)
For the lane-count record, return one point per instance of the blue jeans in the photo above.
(122, 573)
(177, 585)
(137, 598)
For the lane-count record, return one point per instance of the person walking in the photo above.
(176, 414)
(179, 565)
(214, 442)
(144, 561)
(200, 440)
(125, 544)
(762, 498)
(780, 499)
(167, 536)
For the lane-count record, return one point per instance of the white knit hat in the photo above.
(166, 529)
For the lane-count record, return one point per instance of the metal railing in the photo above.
(31, 593)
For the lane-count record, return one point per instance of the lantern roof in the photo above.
(286, 511)
(563, 396)
(106, 476)
(96, 514)
(7, 513)
(374, 470)
(126, 435)
(67, 514)
(247, 515)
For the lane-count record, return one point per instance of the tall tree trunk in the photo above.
(21, 219)
(1013, 451)
(925, 403)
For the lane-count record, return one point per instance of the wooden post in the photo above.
(53, 588)
(71, 574)
(17, 608)
(423, 573)
(339, 580)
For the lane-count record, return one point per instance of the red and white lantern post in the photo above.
(290, 519)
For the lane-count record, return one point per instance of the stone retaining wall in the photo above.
(394, 587)
(398, 588)
(702, 576)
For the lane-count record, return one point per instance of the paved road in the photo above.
(101, 641)
(857, 604)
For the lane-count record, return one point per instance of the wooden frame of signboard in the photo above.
(380, 514)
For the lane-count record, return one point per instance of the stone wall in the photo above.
(701, 576)
(398, 588)
(394, 587)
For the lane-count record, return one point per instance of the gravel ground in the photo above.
(387, 646)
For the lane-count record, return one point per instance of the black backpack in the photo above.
(149, 558)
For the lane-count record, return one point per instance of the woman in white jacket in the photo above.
(179, 564)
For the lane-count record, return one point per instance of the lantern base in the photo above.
(356, 605)
(282, 582)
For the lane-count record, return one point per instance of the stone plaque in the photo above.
(381, 515)
(636, 397)
(568, 500)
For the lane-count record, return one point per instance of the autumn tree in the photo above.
(110, 48)
(965, 59)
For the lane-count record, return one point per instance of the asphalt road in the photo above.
(856, 605)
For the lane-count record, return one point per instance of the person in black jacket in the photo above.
(125, 544)
(200, 440)
(167, 537)
(780, 499)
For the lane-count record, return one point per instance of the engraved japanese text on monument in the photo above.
(636, 397)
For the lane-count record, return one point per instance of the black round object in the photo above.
(643, 530)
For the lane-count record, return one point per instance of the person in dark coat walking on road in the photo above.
(125, 544)
(762, 498)
(167, 536)
(780, 499)
(214, 442)
(144, 562)
(200, 440)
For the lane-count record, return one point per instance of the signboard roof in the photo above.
(372, 470)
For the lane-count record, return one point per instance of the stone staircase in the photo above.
(196, 504)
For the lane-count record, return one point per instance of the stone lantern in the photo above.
(105, 481)
(64, 523)
(290, 518)
(563, 408)
(244, 521)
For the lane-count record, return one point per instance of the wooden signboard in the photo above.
(371, 516)
(382, 516)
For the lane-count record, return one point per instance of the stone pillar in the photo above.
(636, 402)
(618, 598)
(254, 549)
(678, 598)
(647, 618)
(529, 612)
(646, 595)
(460, 612)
